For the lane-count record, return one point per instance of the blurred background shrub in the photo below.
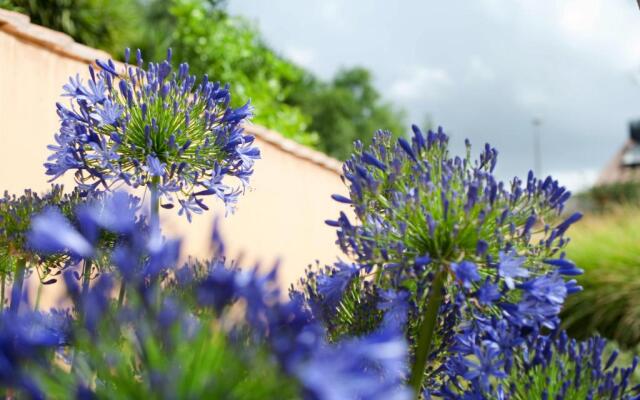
(608, 197)
(605, 245)
(326, 114)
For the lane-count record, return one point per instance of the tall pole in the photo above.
(537, 154)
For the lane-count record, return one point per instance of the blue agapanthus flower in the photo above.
(458, 242)
(332, 286)
(542, 366)
(154, 127)
(466, 273)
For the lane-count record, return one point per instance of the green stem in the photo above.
(121, 294)
(2, 294)
(155, 203)
(86, 275)
(18, 280)
(426, 332)
(155, 212)
(38, 295)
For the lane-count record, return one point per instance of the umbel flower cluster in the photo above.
(470, 268)
(157, 128)
(16, 259)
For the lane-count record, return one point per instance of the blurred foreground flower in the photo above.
(202, 330)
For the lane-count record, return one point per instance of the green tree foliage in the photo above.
(346, 109)
(110, 25)
(230, 50)
(287, 98)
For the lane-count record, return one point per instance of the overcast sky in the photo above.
(483, 69)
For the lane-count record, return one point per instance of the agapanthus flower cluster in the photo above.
(416, 205)
(16, 258)
(154, 127)
(494, 359)
(555, 366)
(439, 241)
(16, 213)
(178, 334)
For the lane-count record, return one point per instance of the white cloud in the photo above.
(580, 18)
(607, 30)
(532, 98)
(421, 82)
(333, 13)
(300, 55)
(479, 70)
(496, 9)
(330, 10)
(576, 180)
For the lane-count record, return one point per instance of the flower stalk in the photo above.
(426, 333)
(86, 275)
(18, 280)
(121, 294)
(2, 290)
(36, 304)
(155, 202)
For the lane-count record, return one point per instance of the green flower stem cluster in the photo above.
(15, 257)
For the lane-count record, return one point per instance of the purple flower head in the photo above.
(466, 272)
(371, 367)
(52, 233)
(488, 293)
(556, 367)
(396, 309)
(426, 219)
(451, 208)
(109, 114)
(487, 364)
(104, 226)
(331, 286)
(565, 267)
(189, 207)
(154, 127)
(172, 318)
(218, 289)
(155, 167)
(510, 267)
(542, 299)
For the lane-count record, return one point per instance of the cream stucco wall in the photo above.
(280, 218)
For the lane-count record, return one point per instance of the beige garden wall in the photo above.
(281, 217)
